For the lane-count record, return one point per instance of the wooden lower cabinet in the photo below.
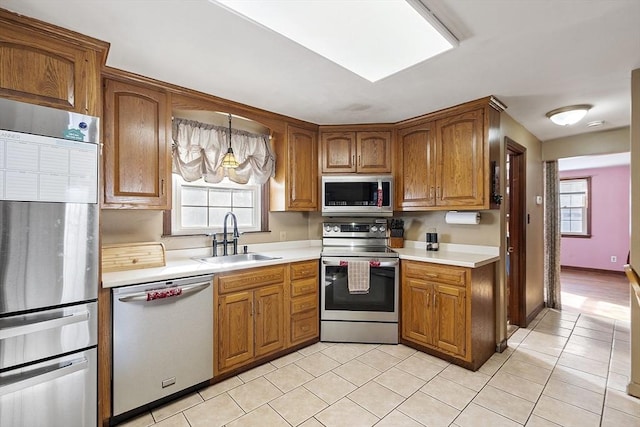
(303, 302)
(249, 315)
(262, 312)
(449, 311)
(269, 320)
(235, 329)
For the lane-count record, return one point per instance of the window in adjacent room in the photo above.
(575, 215)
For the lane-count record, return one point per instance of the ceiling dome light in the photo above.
(570, 115)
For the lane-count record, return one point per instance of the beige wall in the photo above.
(634, 384)
(125, 226)
(588, 144)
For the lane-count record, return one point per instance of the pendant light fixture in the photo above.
(229, 161)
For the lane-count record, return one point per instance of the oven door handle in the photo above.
(382, 263)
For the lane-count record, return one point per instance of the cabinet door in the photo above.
(338, 151)
(417, 310)
(44, 69)
(302, 169)
(235, 329)
(415, 186)
(269, 320)
(374, 152)
(136, 148)
(450, 317)
(460, 154)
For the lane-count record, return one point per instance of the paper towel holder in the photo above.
(457, 217)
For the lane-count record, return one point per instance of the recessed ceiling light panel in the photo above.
(373, 39)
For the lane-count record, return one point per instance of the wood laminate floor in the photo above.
(595, 292)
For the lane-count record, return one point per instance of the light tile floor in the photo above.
(565, 369)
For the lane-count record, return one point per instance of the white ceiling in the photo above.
(534, 55)
(590, 162)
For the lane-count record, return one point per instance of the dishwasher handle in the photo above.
(154, 294)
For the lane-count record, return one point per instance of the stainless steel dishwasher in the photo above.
(162, 340)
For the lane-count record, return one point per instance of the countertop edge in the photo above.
(188, 267)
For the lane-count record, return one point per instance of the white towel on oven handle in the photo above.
(358, 277)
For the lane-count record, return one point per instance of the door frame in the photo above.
(516, 301)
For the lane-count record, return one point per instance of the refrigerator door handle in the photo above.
(164, 293)
(37, 325)
(30, 379)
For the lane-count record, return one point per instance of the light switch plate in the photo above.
(538, 200)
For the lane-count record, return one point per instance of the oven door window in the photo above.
(380, 298)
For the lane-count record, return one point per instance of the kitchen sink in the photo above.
(227, 260)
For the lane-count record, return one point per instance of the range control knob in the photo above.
(327, 228)
(381, 228)
(374, 228)
(336, 228)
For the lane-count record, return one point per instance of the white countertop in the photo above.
(472, 256)
(180, 263)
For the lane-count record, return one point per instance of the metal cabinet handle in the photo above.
(29, 379)
(183, 290)
(38, 324)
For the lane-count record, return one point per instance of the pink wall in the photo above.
(609, 221)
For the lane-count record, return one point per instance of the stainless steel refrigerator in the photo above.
(48, 266)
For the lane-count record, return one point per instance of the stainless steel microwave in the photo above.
(357, 195)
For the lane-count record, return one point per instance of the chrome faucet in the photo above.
(225, 242)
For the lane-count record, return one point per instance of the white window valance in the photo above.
(198, 149)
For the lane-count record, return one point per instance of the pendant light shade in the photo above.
(567, 116)
(229, 160)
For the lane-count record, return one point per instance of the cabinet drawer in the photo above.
(304, 326)
(305, 303)
(303, 269)
(450, 275)
(252, 278)
(304, 286)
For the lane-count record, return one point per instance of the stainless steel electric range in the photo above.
(369, 316)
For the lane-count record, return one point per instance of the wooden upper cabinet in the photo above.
(360, 152)
(374, 152)
(302, 169)
(443, 159)
(136, 147)
(338, 151)
(46, 65)
(415, 183)
(461, 158)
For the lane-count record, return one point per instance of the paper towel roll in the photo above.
(455, 217)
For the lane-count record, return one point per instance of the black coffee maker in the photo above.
(432, 240)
